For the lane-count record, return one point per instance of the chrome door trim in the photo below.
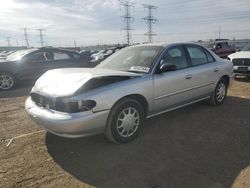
(184, 90)
(177, 107)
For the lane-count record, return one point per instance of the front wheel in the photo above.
(124, 121)
(219, 95)
(7, 81)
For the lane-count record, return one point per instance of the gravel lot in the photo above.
(197, 146)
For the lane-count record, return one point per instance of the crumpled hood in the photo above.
(65, 82)
(242, 54)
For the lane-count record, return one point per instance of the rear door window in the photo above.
(210, 58)
(197, 55)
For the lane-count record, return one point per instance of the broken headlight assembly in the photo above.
(74, 106)
(63, 104)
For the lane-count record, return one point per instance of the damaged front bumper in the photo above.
(70, 125)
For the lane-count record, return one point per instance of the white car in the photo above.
(241, 61)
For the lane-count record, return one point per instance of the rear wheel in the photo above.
(219, 95)
(124, 121)
(7, 81)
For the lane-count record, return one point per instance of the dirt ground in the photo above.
(196, 146)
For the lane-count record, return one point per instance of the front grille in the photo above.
(42, 101)
(50, 103)
(241, 61)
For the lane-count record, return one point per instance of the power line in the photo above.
(41, 36)
(150, 21)
(26, 37)
(128, 19)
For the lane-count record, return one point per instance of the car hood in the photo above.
(65, 82)
(5, 61)
(242, 54)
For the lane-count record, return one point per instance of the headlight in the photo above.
(80, 106)
(75, 106)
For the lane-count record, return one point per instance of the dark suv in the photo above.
(32, 63)
(223, 49)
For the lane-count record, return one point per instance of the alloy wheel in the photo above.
(6, 82)
(221, 92)
(128, 122)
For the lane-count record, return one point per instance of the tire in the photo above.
(7, 81)
(220, 93)
(124, 121)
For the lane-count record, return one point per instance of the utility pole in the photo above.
(26, 38)
(150, 20)
(41, 36)
(128, 19)
(8, 41)
(75, 43)
(219, 32)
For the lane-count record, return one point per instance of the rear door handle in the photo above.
(188, 76)
(216, 70)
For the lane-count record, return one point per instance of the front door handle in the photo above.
(188, 76)
(216, 69)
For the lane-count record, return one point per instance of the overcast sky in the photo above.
(91, 22)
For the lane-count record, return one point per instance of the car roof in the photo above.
(170, 44)
(57, 49)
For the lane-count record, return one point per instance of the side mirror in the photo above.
(166, 68)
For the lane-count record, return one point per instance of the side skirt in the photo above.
(177, 107)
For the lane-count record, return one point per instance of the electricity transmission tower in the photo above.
(26, 38)
(41, 36)
(150, 20)
(128, 19)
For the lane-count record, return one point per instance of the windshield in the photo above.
(246, 48)
(132, 59)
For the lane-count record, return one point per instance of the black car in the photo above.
(32, 63)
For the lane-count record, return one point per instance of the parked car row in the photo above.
(96, 58)
(31, 63)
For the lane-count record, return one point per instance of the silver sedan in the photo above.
(135, 83)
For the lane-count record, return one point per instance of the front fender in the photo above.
(108, 95)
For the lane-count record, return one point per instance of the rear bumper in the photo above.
(65, 124)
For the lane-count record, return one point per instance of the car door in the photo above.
(33, 65)
(204, 71)
(171, 89)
